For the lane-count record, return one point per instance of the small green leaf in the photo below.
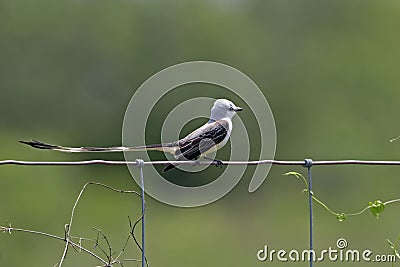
(341, 217)
(376, 207)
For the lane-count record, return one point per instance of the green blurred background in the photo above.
(329, 69)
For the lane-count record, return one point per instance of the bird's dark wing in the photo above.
(200, 142)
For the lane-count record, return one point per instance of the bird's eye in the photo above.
(231, 108)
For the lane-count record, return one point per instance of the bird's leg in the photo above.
(218, 163)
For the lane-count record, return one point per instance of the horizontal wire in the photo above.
(256, 162)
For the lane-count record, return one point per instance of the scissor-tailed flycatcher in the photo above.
(207, 139)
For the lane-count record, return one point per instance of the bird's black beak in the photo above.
(238, 109)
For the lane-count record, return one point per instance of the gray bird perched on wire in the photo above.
(205, 140)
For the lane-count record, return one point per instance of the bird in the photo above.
(206, 139)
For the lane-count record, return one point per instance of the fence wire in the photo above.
(254, 162)
(307, 163)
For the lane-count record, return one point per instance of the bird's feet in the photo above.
(218, 163)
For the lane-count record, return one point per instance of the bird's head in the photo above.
(223, 108)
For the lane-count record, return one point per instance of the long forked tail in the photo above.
(170, 147)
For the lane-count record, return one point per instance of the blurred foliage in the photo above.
(329, 70)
